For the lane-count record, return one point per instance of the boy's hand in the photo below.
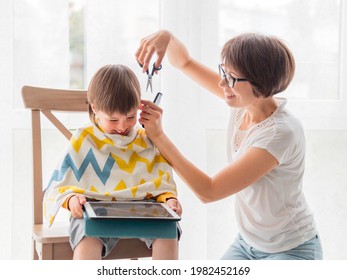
(174, 204)
(75, 205)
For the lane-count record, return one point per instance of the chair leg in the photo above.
(44, 251)
(47, 251)
(34, 252)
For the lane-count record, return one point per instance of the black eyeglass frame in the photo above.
(227, 77)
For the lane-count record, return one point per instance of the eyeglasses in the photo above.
(229, 80)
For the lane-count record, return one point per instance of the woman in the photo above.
(266, 144)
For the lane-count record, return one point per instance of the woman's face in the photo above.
(241, 94)
(117, 123)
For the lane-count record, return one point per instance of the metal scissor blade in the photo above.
(149, 84)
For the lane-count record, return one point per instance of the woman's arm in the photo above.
(163, 42)
(253, 165)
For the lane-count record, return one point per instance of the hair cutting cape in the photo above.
(109, 167)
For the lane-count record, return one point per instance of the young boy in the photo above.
(111, 159)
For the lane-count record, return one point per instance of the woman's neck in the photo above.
(259, 111)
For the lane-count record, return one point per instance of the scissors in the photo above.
(150, 75)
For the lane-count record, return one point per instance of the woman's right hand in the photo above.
(154, 43)
(76, 203)
(164, 43)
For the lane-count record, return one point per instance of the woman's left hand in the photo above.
(150, 118)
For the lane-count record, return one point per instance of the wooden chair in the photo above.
(53, 242)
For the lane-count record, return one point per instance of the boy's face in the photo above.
(117, 123)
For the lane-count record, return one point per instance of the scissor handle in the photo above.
(156, 68)
(142, 66)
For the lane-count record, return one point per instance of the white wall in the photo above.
(32, 54)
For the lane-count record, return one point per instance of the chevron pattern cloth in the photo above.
(109, 167)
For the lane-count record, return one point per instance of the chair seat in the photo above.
(58, 233)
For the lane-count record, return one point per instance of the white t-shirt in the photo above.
(272, 214)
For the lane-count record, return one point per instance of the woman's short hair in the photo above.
(265, 61)
(114, 88)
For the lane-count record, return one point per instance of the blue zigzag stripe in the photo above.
(103, 175)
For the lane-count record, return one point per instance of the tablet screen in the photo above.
(129, 210)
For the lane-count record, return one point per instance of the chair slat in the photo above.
(53, 119)
(55, 99)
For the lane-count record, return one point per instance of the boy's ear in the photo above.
(93, 108)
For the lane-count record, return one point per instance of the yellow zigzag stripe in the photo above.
(130, 166)
(157, 182)
(76, 189)
(141, 132)
(73, 188)
(94, 189)
(161, 173)
(121, 186)
(139, 141)
(77, 143)
(134, 190)
(51, 219)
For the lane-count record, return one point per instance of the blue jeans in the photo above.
(240, 250)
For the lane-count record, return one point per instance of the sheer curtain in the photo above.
(35, 49)
(6, 90)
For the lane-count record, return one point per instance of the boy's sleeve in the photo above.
(164, 196)
(66, 202)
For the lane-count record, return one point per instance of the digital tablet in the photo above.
(130, 210)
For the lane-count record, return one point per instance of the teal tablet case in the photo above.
(130, 228)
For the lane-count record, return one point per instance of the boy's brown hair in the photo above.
(265, 61)
(113, 88)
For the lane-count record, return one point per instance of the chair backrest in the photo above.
(46, 101)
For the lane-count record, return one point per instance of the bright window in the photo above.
(311, 28)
